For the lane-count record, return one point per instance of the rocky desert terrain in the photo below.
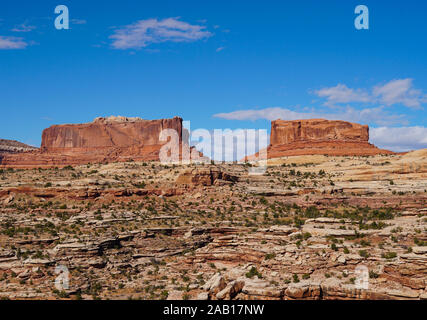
(93, 214)
(146, 230)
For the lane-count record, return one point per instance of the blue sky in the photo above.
(220, 64)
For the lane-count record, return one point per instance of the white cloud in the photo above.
(399, 139)
(267, 114)
(12, 43)
(23, 28)
(367, 115)
(376, 115)
(400, 91)
(228, 144)
(220, 49)
(342, 94)
(145, 32)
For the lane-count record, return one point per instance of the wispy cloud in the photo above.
(7, 43)
(220, 49)
(46, 118)
(400, 92)
(145, 32)
(342, 94)
(227, 144)
(377, 115)
(78, 21)
(395, 92)
(400, 139)
(23, 28)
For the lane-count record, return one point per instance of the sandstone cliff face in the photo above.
(107, 133)
(317, 130)
(319, 136)
(103, 140)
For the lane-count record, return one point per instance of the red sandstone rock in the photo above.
(319, 136)
(317, 130)
(107, 133)
(103, 140)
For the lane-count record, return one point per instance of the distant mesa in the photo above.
(111, 139)
(116, 139)
(120, 135)
(12, 146)
(319, 136)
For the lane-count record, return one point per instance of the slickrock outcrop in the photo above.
(205, 177)
(109, 139)
(320, 136)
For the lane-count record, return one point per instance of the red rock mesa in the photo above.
(320, 136)
(103, 140)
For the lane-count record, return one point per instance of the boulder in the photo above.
(303, 290)
(231, 290)
(215, 284)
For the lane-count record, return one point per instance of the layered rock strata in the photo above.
(103, 140)
(320, 136)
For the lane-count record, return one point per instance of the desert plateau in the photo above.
(96, 199)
